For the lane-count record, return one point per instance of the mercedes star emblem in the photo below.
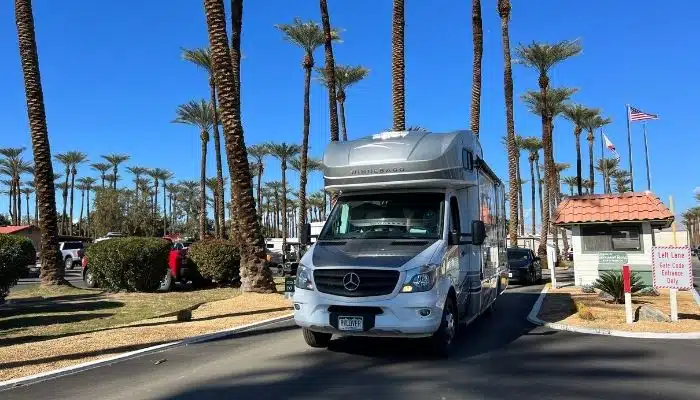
(351, 281)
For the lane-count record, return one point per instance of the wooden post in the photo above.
(673, 292)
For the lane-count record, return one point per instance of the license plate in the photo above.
(350, 323)
(510, 274)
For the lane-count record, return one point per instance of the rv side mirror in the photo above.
(305, 235)
(455, 238)
(478, 232)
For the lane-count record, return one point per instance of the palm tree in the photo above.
(213, 185)
(533, 145)
(88, 183)
(76, 158)
(607, 167)
(313, 165)
(559, 167)
(594, 122)
(398, 66)
(542, 57)
(166, 176)
(201, 57)
(51, 266)
(65, 159)
(478, 46)
(571, 181)
(622, 180)
(14, 166)
(102, 168)
(330, 69)
(309, 36)
(345, 76)
(588, 185)
(114, 160)
(549, 106)
(275, 188)
(284, 152)
(27, 191)
(200, 115)
(512, 148)
(137, 172)
(258, 153)
(255, 271)
(579, 116)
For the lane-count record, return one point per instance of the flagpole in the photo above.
(646, 154)
(602, 156)
(629, 147)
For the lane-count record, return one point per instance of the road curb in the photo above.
(532, 317)
(74, 369)
(696, 295)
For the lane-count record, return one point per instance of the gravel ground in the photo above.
(558, 306)
(31, 358)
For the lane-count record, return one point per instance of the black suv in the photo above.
(524, 266)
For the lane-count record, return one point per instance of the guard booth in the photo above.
(610, 230)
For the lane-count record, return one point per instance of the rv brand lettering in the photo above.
(377, 171)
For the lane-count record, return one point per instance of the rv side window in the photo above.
(454, 215)
(467, 159)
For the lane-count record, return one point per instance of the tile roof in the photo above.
(621, 207)
(13, 228)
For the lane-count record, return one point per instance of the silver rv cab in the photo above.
(414, 245)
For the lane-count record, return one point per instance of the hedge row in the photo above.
(216, 259)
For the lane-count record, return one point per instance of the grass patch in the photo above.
(45, 313)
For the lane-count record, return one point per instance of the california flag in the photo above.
(610, 146)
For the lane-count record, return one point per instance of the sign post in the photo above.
(289, 284)
(672, 268)
(628, 292)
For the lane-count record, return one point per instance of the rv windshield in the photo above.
(386, 216)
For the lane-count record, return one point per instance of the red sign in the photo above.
(626, 278)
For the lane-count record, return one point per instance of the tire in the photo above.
(89, 279)
(316, 339)
(68, 262)
(166, 283)
(443, 340)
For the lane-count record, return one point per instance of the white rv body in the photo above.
(387, 261)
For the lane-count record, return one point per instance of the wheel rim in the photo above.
(449, 326)
(68, 263)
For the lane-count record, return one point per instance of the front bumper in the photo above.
(398, 315)
(517, 274)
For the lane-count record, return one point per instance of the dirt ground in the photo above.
(559, 306)
(31, 357)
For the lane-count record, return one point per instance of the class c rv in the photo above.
(414, 246)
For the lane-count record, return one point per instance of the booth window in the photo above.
(467, 160)
(611, 238)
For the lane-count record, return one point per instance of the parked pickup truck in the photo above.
(71, 253)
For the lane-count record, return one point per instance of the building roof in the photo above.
(619, 207)
(13, 228)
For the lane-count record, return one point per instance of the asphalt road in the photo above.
(74, 276)
(696, 272)
(498, 357)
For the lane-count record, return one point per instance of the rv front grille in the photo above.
(356, 282)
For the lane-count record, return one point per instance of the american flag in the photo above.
(638, 115)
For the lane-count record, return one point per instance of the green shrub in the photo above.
(130, 263)
(16, 253)
(610, 282)
(216, 259)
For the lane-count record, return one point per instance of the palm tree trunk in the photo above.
(165, 209)
(533, 209)
(87, 228)
(548, 185)
(102, 176)
(398, 67)
(303, 174)
(577, 135)
(51, 267)
(64, 226)
(72, 193)
(82, 204)
(114, 175)
(478, 46)
(255, 271)
(330, 70)
(514, 182)
(203, 188)
(341, 110)
(29, 222)
(217, 227)
(259, 188)
(18, 201)
(36, 209)
(591, 171)
(219, 169)
(521, 205)
(284, 209)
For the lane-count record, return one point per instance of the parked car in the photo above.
(110, 235)
(180, 269)
(71, 253)
(524, 266)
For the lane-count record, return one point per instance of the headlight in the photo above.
(421, 279)
(304, 278)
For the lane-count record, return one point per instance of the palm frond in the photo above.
(555, 103)
(307, 35)
(543, 56)
(201, 57)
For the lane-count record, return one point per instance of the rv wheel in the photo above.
(444, 338)
(316, 339)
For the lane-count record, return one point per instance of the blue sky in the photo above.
(112, 77)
